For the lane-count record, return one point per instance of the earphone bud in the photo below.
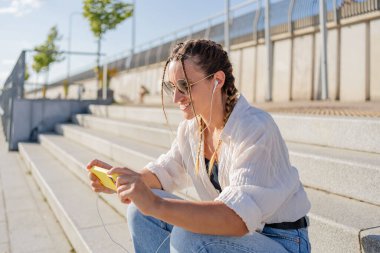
(215, 84)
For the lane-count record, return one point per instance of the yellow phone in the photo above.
(108, 181)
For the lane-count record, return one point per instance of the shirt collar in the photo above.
(240, 106)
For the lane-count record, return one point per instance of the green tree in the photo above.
(26, 75)
(105, 15)
(47, 53)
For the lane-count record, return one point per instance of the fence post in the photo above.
(290, 15)
(323, 32)
(105, 72)
(268, 43)
(227, 27)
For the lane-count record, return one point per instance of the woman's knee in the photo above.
(182, 240)
(133, 213)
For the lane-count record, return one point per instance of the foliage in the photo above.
(110, 73)
(105, 15)
(47, 52)
(26, 74)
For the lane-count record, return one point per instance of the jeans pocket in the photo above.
(289, 239)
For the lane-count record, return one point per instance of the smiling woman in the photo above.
(251, 197)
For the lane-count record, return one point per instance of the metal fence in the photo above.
(285, 17)
(13, 88)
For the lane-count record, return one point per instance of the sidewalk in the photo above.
(26, 221)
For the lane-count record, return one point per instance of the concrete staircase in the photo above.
(338, 159)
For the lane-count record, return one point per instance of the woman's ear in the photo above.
(220, 77)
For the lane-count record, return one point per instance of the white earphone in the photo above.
(215, 84)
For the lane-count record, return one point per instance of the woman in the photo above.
(252, 198)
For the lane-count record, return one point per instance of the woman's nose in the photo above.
(177, 96)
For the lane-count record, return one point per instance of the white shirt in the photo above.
(254, 171)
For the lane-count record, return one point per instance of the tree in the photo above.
(105, 15)
(26, 75)
(47, 53)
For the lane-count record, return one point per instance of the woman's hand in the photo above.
(95, 183)
(132, 188)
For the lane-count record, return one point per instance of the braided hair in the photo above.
(210, 57)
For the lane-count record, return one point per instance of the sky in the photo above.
(24, 24)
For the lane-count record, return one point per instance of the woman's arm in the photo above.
(150, 179)
(208, 217)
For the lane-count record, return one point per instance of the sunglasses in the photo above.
(182, 86)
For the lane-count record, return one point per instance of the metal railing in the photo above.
(13, 88)
(285, 17)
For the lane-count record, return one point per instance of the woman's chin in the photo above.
(188, 115)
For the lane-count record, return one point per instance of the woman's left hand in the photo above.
(132, 188)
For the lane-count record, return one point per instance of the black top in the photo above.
(214, 175)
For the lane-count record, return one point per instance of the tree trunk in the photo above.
(98, 62)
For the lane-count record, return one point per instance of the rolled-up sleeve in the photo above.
(261, 178)
(169, 167)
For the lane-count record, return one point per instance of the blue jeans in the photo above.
(150, 235)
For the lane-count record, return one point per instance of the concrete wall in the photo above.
(353, 75)
(302, 72)
(353, 67)
(33, 116)
(248, 73)
(375, 60)
(282, 52)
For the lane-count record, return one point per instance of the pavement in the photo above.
(27, 223)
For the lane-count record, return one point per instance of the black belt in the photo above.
(301, 223)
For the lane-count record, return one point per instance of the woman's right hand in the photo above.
(96, 185)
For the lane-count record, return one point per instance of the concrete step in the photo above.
(335, 227)
(116, 147)
(75, 205)
(76, 157)
(27, 224)
(157, 135)
(353, 133)
(340, 224)
(130, 153)
(144, 114)
(349, 173)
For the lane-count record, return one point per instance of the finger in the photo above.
(92, 177)
(120, 171)
(125, 179)
(98, 163)
(91, 164)
(123, 188)
(96, 184)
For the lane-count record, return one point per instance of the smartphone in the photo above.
(108, 181)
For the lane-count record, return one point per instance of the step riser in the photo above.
(350, 180)
(152, 115)
(335, 239)
(339, 132)
(354, 134)
(70, 163)
(75, 239)
(120, 154)
(154, 136)
(78, 169)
